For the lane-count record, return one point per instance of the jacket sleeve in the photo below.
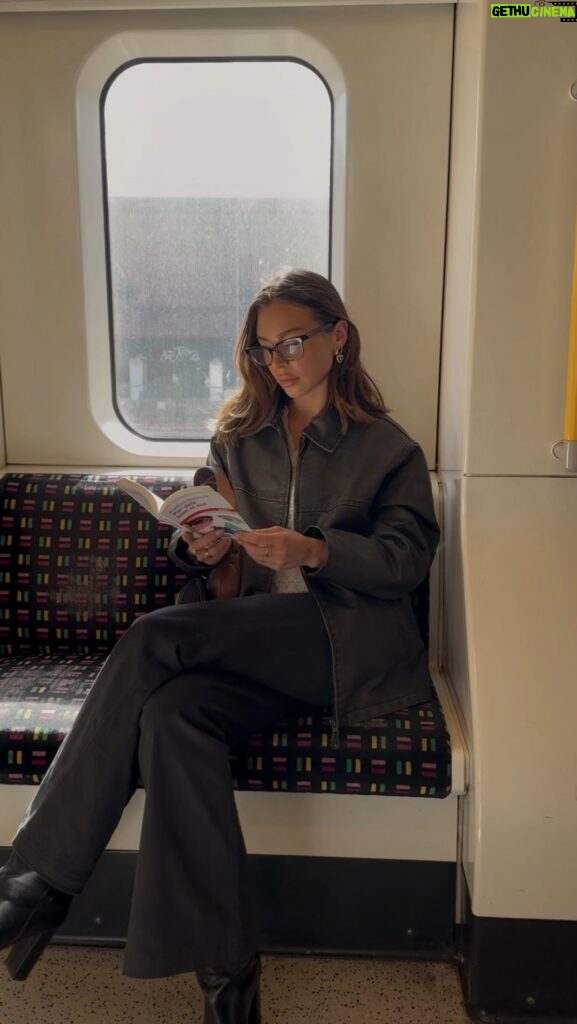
(177, 550)
(396, 556)
(179, 554)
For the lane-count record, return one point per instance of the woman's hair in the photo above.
(350, 389)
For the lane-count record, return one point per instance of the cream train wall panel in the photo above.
(457, 347)
(305, 824)
(462, 232)
(511, 222)
(510, 649)
(396, 62)
(520, 567)
(527, 203)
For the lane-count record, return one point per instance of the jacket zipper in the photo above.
(287, 497)
(290, 483)
(334, 721)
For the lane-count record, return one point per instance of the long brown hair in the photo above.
(350, 388)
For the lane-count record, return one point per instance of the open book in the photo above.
(199, 509)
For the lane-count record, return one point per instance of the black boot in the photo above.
(30, 912)
(232, 998)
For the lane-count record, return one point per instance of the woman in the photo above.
(343, 528)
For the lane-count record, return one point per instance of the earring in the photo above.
(339, 355)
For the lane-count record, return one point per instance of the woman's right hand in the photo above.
(208, 549)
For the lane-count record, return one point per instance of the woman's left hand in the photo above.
(278, 548)
(208, 548)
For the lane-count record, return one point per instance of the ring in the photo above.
(267, 551)
(206, 551)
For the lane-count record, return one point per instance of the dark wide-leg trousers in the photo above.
(182, 685)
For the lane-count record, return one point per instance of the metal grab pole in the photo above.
(570, 434)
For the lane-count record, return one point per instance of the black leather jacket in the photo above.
(367, 493)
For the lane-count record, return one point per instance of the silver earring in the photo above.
(339, 355)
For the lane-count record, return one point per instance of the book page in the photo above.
(142, 495)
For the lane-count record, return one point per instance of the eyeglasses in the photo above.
(287, 350)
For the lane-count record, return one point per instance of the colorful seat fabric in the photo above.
(78, 562)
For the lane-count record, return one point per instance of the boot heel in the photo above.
(24, 955)
(254, 1016)
(231, 998)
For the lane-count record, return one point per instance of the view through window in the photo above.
(217, 174)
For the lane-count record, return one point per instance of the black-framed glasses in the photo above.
(287, 350)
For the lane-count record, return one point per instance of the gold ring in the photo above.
(267, 552)
(206, 551)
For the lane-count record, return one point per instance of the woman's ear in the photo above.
(341, 333)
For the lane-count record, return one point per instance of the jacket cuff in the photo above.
(318, 534)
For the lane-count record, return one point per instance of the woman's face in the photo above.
(305, 378)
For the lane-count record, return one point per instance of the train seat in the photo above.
(78, 562)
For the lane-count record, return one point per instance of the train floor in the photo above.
(73, 985)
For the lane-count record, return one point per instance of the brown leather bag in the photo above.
(224, 580)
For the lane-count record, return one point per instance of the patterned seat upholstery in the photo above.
(78, 562)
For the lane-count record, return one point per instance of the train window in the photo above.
(216, 172)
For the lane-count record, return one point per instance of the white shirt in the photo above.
(289, 581)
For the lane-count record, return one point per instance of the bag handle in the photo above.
(218, 480)
(224, 580)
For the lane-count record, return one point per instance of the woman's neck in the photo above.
(299, 415)
(303, 410)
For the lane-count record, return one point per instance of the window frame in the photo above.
(101, 68)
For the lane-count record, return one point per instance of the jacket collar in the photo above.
(325, 430)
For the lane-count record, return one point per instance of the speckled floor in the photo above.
(72, 985)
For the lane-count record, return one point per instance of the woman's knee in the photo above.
(149, 623)
(218, 706)
(156, 639)
(166, 704)
(184, 704)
